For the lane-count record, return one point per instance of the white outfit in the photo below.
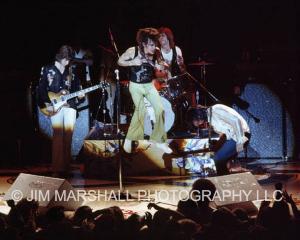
(229, 122)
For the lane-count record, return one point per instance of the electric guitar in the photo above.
(58, 100)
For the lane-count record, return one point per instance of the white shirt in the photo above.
(229, 122)
(169, 56)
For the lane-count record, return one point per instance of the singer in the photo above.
(142, 61)
(233, 130)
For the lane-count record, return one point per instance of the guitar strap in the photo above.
(70, 77)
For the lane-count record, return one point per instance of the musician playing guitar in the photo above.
(56, 79)
(171, 55)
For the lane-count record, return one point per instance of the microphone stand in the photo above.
(122, 194)
(117, 83)
(256, 120)
(113, 42)
(243, 105)
(118, 134)
(203, 87)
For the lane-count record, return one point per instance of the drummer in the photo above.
(171, 54)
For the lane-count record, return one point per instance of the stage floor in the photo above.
(164, 190)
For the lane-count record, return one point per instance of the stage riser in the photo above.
(101, 158)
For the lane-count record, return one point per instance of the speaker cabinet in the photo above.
(47, 191)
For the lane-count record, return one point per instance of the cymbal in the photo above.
(201, 63)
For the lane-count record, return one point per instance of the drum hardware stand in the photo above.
(197, 97)
(202, 64)
(210, 110)
(103, 104)
(203, 87)
(203, 77)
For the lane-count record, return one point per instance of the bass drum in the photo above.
(150, 116)
(177, 89)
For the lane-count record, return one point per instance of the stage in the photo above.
(166, 191)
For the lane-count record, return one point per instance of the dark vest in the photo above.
(175, 70)
(143, 73)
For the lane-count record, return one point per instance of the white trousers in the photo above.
(63, 125)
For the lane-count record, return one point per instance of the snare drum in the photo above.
(174, 89)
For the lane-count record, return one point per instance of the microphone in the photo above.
(242, 104)
(117, 74)
(257, 120)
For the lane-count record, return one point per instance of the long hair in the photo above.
(144, 34)
(169, 34)
(64, 51)
(198, 113)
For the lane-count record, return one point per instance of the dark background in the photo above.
(215, 30)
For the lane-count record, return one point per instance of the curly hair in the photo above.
(144, 34)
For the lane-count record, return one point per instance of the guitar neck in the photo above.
(83, 91)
